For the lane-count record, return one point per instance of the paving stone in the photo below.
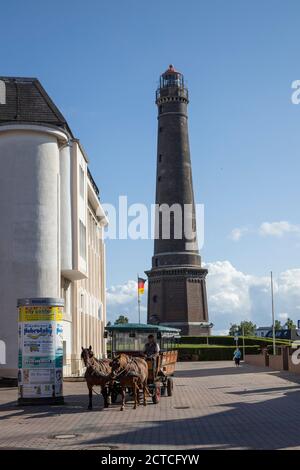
(214, 406)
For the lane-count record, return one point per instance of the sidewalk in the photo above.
(215, 406)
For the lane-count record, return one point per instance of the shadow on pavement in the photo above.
(73, 404)
(230, 370)
(269, 424)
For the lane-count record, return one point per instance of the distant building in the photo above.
(51, 233)
(262, 331)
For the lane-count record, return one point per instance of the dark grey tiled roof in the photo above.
(28, 102)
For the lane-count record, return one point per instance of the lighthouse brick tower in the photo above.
(177, 288)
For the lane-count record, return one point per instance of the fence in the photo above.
(284, 359)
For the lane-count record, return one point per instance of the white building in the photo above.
(51, 232)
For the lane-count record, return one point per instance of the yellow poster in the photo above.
(29, 314)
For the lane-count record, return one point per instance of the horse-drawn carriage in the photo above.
(130, 339)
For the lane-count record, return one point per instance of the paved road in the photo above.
(215, 406)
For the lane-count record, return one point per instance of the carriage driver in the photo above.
(151, 348)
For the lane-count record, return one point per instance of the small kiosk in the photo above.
(40, 351)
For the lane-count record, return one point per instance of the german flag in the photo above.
(141, 285)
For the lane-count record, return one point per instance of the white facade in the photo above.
(51, 237)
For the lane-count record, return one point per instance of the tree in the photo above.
(233, 329)
(289, 324)
(121, 320)
(245, 327)
(278, 325)
(108, 323)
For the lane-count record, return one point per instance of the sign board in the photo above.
(236, 338)
(40, 352)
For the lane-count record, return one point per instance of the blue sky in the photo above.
(100, 62)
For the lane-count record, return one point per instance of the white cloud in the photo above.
(237, 233)
(266, 229)
(232, 296)
(121, 294)
(122, 300)
(220, 332)
(278, 229)
(283, 316)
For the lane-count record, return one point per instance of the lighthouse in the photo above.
(177, 285)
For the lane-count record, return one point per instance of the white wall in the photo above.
(66, 209)
(29, 228)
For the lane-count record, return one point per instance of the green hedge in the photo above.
(229, 340)
(213, 353)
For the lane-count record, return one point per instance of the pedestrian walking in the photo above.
(237, 357)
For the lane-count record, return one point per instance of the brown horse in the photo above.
(98, 372)
(131, 372)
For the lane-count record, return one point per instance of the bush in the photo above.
(212, 353)
(229, 340)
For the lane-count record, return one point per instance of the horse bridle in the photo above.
(87, 359)
(123, 370)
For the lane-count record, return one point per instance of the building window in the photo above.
(2, 92)
(82, 240)
(81, 182)
(82, 302)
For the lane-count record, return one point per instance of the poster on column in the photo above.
(40, 354)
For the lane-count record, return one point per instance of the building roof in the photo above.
(26, 101)
(141, 327)
(171, 69)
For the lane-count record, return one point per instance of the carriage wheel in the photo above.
(156, 394)
(170, 386)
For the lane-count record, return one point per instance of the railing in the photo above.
(172, 91)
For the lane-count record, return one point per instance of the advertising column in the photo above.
(40, 354)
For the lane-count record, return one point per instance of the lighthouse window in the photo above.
(154, 298)
(160, 129)
(159, 179)
(160, 109)
(160, 158)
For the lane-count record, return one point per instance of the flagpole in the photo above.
(273, 316)
(139, 299)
